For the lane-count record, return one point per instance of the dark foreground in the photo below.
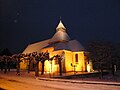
(11, 81)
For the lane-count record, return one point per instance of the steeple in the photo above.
(60, 27)
(61, 34)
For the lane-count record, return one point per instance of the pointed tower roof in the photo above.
(60, 26)
(60, 34)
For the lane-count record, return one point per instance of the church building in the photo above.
(74, 55)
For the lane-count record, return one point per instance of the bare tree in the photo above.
(101, 54)
(41, 57)
(17, 58)
(5, 63)
(1, 63)
(29, 59)
(36, 61)
(60, 58)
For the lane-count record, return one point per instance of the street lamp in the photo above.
(74, 66)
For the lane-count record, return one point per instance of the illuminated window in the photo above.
(76, 57)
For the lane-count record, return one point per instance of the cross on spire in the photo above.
(60, 17)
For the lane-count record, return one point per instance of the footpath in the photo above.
(79, 81)
(25, 75)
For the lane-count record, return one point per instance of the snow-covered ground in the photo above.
(11, 81)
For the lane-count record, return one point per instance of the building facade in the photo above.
(74, 56)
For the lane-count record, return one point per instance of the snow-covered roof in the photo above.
(60, 41)
(62, 46)
(75, 45)
(36, 47)
(60, 34)
(72, 45)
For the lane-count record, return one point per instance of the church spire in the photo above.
(60, 35)
(60, 26)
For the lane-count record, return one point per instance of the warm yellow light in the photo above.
(50, 66)
(69, 57)
(88, 68)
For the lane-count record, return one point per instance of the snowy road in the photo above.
(13, 82)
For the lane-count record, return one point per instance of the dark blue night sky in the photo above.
(27, 21)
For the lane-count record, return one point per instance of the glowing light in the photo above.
(88, 68)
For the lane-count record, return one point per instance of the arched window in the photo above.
(76, 57)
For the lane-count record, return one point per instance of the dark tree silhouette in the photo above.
(29, 62)
(36, 61)
(5, 64)
(41, 57)
(1, 63)
(101, 54)
(59, 58)
(17, 59)
(5, 61)
(29, 59)
(6, 52)
(9, 62)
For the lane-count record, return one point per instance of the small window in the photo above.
(76, 57)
